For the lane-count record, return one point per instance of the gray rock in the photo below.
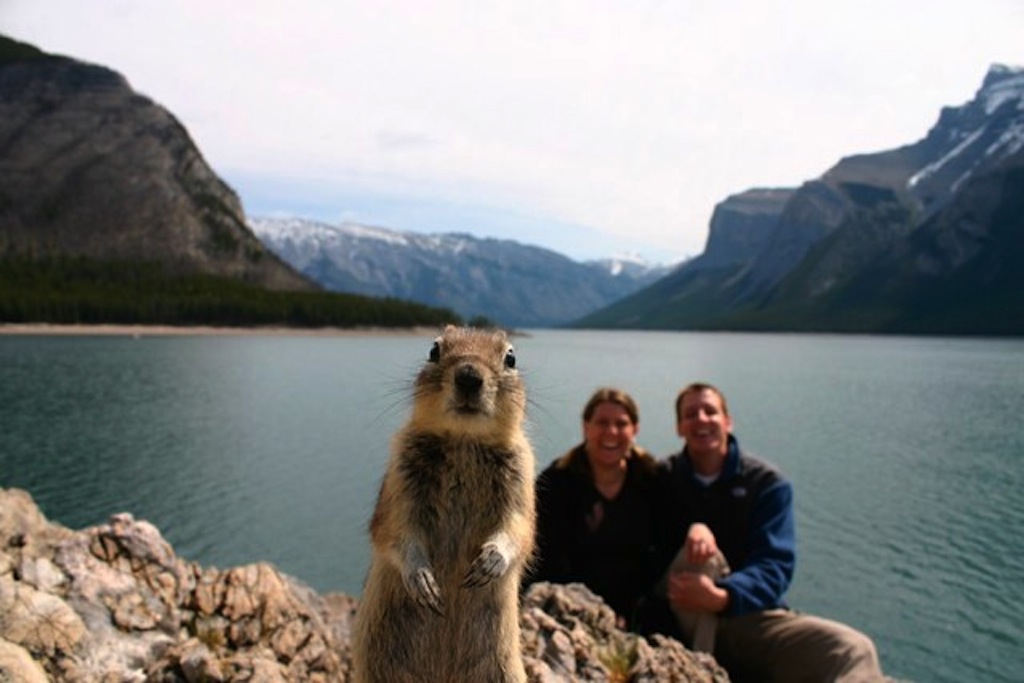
(114, 602)
(17, 665)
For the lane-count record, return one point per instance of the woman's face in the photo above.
(608, 435)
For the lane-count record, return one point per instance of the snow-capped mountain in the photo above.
(923, 178)
(628, 265)
(507, 282)
(972, 139)
(927, 237)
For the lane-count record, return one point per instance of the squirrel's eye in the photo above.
(510, 358)
(435, 352)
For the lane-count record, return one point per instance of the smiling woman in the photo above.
(596, 509)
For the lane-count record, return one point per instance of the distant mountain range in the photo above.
(507, 282)
(94, 171)
(108, 211)
(926, 238)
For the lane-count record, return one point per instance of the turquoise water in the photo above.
(907, 456)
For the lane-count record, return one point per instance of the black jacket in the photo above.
(608, 545)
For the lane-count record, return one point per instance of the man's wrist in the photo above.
(722, 599)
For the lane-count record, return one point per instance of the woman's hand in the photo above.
(700, 544)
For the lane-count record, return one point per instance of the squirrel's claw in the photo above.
(425, 591)
(488, 565)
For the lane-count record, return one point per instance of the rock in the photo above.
(569, 634)
(40, 622)
(16, 664)
(114, 603)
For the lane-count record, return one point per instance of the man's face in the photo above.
(704, 423)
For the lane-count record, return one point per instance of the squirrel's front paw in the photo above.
(423, 587)
(488, 565)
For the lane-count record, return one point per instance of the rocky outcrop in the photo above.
(114, 602)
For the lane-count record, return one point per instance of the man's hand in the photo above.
(696, 592)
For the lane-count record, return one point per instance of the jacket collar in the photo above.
(729, 470)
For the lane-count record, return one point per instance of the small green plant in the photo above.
(619, 656)
(208, 633)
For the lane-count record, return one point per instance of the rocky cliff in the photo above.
(90, 168)
(741, 226)
(923, 238)
(114, 602)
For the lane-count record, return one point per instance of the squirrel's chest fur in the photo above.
(458, 491)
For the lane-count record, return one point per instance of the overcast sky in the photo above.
(591, 128)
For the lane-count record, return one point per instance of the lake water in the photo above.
(907, 456)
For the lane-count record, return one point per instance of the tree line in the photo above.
(75, 290)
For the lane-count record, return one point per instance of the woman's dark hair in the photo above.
(577, 457)
(611, 395)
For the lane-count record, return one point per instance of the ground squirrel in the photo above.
(453, 526)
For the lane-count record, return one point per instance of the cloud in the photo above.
(630, 119)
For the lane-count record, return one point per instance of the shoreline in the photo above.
(108, 330)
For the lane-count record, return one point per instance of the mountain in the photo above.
(109, 213)
(90, 167)
(509, 283)
(925, 238)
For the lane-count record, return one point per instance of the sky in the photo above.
(594, 129)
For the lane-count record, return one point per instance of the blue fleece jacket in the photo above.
(749, 508)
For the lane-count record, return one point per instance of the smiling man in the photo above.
(748, 507)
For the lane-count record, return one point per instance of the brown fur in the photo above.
(453, 526)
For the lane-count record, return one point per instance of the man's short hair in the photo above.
(695, 388)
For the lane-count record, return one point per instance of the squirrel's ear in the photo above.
(435, 352)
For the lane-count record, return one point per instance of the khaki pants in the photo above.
(776, 645)
(783, 645)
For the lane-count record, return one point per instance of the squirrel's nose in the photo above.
(468, 379)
